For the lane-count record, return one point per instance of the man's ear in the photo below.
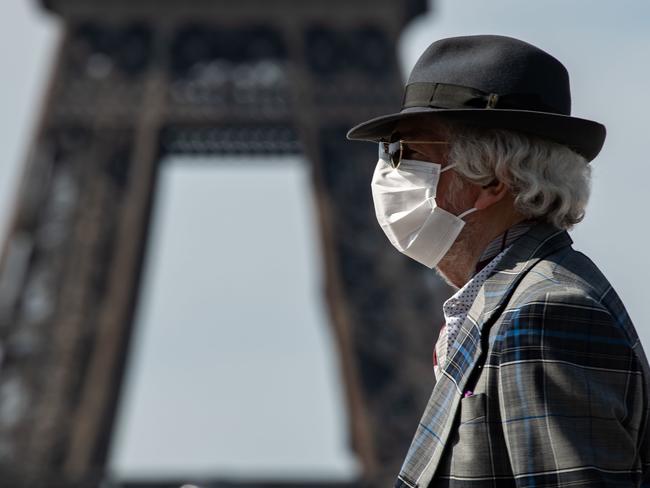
(490, 194)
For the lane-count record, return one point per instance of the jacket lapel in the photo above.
(438, 418)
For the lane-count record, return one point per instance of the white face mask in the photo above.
(407, 212)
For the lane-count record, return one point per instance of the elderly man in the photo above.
(541, 378)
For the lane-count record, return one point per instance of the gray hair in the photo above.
(548, 180)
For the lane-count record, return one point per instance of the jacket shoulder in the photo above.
(571, 283)
(565, 271)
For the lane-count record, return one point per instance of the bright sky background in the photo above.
(235, 366)
(606, 47)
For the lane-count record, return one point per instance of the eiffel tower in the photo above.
(139, 80)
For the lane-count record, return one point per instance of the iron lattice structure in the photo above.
(135, 81)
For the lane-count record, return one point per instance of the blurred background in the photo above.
(193, 286)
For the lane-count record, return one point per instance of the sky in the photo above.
(605, 46)
(231, 331)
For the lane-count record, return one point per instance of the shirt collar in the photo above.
(501, 242)
(460, 302)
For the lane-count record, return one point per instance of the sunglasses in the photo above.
(392, 152)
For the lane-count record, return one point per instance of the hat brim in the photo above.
(585, 137)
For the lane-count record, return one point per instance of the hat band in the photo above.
(446, 96)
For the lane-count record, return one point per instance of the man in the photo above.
(541, 378)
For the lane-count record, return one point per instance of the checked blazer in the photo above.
(546, 383)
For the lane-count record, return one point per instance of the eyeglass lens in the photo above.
(391, 152)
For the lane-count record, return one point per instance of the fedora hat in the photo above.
(492, 82)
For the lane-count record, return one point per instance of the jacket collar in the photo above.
(433, 431)
(540, 241)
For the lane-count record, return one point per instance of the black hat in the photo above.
(494, 82)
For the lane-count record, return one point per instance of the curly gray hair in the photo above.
(548, 180)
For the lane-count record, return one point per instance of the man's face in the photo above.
(454, 194)
(493, 203)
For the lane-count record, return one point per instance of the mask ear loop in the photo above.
(449, 166)
(467, 212)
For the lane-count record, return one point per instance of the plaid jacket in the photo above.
(546, 383)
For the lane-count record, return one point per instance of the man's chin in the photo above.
(445, 278)
(440, 271)
(454, 261)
